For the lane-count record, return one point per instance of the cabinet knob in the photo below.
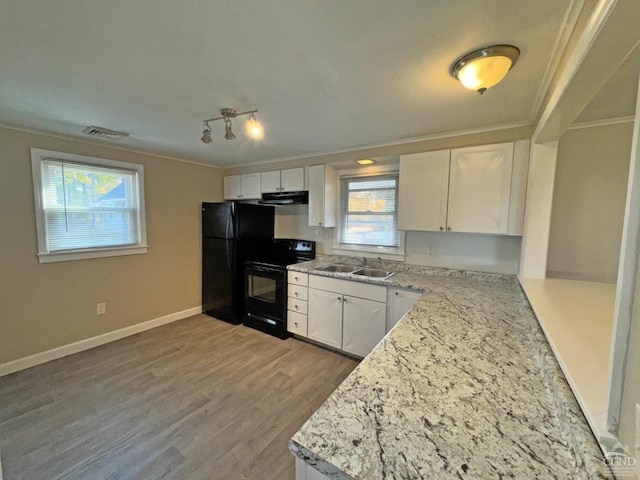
(319, 223)
(396, 294)
(296, 278)
(297, 307)
(340, 298)
(448, 228)
(441, 228)
(297, 294)
(295, 323)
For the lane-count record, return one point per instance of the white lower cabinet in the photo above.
(346, 315)
(297, 304)
(399, 302)
(363, 325)
(324, 323)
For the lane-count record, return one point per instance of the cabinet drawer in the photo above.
(376, 293)
(297, 278)
(296, 305)
(298, 292)
(297, 323)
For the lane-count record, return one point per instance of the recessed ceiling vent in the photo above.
(104, 132)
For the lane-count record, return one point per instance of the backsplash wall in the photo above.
(486, 253)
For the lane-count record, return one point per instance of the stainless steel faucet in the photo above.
(363, 260)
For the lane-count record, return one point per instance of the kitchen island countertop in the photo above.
(464, 387)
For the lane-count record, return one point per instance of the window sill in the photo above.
(92, 253)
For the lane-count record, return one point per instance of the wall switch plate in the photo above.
(102, 309)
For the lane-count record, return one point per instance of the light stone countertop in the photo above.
(464, 387)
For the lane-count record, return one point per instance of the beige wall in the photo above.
(43, 306)
(589, 202)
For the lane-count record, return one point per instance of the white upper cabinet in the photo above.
(292, 179)
(289, 180)
(473, 190)
(423, 190)
(270, 182)
(480, 189)
(323, 193)
(242, 187)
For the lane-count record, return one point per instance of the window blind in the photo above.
(369, 210)
(89, 206)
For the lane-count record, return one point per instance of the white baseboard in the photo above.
(86, 344)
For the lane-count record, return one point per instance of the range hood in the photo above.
(285, 198)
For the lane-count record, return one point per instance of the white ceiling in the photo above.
(326, 75)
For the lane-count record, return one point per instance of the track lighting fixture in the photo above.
(254, 128)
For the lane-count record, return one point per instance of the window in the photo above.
(87, 207)
(369, 214)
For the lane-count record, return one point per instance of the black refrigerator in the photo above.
(231, 234)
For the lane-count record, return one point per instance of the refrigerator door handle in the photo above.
(229, 220)
(226, 248)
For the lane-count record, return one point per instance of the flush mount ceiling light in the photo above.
(486, 67)
(254, 128)
(366, 161)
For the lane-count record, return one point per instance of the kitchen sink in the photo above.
(372, 272)
(338, 267)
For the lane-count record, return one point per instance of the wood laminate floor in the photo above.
(196, 399)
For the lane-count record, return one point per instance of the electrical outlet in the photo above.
(101, 309)
(431, 252)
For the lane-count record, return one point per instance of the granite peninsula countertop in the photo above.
(464, 387)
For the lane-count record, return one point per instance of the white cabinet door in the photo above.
(479, 188)
(363, 325)
(324, 321)
(422, 191)
(292, 179)
(399, 302)
(323, 192)
(251, 186)
(270, 182)
(232, 187)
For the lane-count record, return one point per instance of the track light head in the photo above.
(254, 128)
(206, 134)
(228, 134)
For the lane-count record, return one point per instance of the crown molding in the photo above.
(602, 123)
(393, 143)
(71, 138)
(566, 29)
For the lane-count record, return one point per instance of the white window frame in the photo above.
(372, 251)
(45, 256)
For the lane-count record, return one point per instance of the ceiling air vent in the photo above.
(104, 132)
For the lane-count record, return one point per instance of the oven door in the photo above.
(265, 291)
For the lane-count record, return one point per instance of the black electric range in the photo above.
(265, 295)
